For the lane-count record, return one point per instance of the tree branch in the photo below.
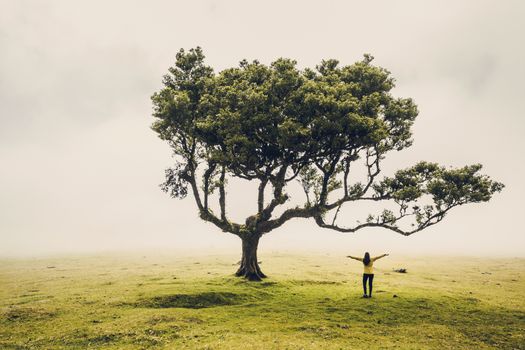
(206, 176)
(278, 197)
(327, 174)
(222, 194)
(372, 173)
(260, 198)
(345, 176)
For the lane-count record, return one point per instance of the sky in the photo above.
(80, 168)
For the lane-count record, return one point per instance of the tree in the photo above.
(278, 124)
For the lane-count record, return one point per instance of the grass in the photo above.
(308, 302)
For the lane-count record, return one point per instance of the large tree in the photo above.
(278, 124)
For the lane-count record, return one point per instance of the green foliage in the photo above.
(175, 184)
(447, 187)
(276, 123)
(310, 180)
(463, 185)
(254, 117)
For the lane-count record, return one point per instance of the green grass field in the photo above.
(308, 302)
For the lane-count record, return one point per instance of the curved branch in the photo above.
(390, 225)
(304, 212)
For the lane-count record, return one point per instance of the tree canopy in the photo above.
(275, 124)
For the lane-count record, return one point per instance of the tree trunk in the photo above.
(249, 268)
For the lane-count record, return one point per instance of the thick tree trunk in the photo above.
(249, 268)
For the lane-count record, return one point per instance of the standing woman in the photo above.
(368, 274)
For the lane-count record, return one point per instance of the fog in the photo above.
(80, 167)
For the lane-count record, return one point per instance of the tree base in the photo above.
(250, 274)
(249, 268)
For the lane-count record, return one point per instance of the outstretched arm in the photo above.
(379, 257)
(354, 257)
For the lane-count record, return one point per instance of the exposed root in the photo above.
(253, 273)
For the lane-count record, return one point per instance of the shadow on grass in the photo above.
(25, 314)
(192, 301)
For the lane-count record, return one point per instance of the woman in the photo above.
(368, 274)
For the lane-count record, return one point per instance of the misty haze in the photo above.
(85, 224)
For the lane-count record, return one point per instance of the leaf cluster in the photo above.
(254, 118)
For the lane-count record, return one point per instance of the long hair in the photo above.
(366, 259)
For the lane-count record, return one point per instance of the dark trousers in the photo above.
(370, 278)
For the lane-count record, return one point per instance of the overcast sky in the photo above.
(80, 168)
